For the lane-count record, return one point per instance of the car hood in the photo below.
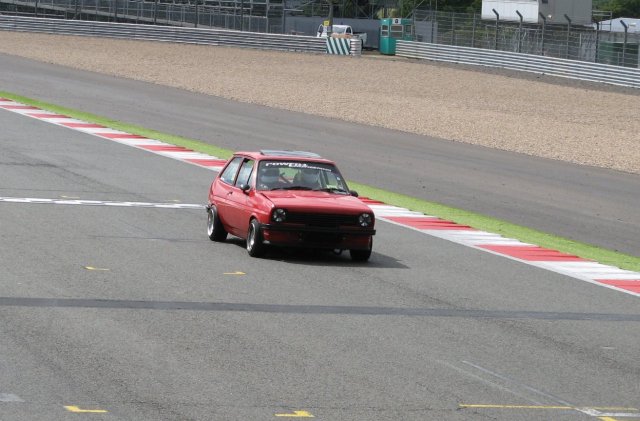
(314, 200)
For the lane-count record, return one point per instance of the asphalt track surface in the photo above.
(591, 205)
(165, 330)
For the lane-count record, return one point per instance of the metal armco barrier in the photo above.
(356, 46)
(592, 72)
(165, 33)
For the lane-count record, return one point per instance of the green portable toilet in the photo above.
(392, 29)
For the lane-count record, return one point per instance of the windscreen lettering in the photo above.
(295, 165)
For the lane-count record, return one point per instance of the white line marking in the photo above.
(92, 130)
(102, 203)
(614, 414)
(490, 383)
(186, 155)
(139, 143)
(518, 383)
(10, 397)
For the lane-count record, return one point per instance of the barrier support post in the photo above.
(497, 27)
(624, 44)
(519, 31)
(568, 33)
(544, 25)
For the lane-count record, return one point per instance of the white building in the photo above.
(579, 11)
(614, 25)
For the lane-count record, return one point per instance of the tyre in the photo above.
(361, 255)
(255, 248)
(215, 230)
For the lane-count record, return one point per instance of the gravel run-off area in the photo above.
(573, 122)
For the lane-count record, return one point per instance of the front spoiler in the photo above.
(319, 230)
(317, 237)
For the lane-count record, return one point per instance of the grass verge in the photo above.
(460, 216)
(485, 223)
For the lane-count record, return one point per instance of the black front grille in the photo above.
(322, 219)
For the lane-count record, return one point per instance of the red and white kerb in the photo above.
(553, 260)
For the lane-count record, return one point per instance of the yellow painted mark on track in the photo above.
(234, 273)
(94, 268)
(516, 406)
(70, 197)
(296, 414)
(73, 408)
(600, 408)
(593, 411)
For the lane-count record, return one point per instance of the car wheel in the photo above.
(215, 230)
(255, 248)
(361, 255)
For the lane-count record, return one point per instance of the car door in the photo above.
(223, 189)
(240, 200)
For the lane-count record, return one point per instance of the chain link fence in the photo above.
(254, 16)
(560, 41)
(572, 42)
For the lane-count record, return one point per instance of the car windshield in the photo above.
(300, 175)
(339, 30)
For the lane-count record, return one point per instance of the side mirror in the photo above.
(245, 188)
(354, 193)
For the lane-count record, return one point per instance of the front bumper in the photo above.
(350, 238)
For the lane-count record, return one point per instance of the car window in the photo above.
(245, 173)
(299, 175)
(229, 174)
(332, 180)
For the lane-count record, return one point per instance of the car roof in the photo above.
(284, 155)
(292, 154)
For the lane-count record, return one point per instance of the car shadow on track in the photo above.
(315, 257)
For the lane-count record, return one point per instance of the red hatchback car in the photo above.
(288, 199)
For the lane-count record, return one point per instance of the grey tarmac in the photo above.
(587, 204)
(172, 363)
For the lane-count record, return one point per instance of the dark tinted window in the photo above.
(299, 175)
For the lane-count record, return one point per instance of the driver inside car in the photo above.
(269, 178)
(309, 178)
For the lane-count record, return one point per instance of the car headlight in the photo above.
(365, 219)
(279, 215)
